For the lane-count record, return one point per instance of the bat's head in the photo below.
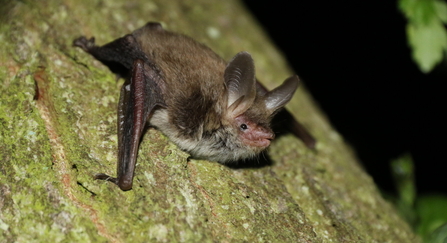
(250, 108)
(240, 129)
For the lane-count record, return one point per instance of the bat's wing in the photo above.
(140, 94)
(292, 125)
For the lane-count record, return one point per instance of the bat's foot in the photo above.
(84, 43)
(123, 184)
(102, 176)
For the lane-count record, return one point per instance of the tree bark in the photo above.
(58, 128)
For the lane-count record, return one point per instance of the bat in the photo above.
(212, 109)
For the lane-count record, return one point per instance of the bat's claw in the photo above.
(102, 176)
(84, 43)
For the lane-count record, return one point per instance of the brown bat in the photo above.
(212, 109)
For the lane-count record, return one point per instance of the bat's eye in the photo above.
(243, 126)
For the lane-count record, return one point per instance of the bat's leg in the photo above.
(123, 50)
(139, 96)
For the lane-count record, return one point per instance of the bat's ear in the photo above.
(241, 84)
(279, 97)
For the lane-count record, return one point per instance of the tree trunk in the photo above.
(58, 128)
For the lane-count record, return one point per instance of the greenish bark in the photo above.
(58, 128)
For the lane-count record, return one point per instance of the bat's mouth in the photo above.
(264, 143)
(260, 142)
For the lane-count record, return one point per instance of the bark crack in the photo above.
(193, 173)
(60, 164)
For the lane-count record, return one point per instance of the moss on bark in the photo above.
(58, 128)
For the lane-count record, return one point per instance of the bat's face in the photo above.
(252, 134)
(236, 139)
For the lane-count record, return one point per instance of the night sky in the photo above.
(354, 58)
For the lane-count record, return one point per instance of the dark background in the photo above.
(354, 58)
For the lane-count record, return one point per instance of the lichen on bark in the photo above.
(58, 128)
